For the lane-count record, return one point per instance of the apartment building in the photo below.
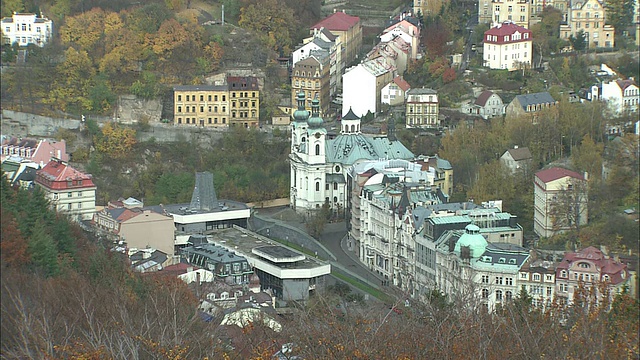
(311, 76)
(68, 190)
(236, 103)
(589, 16)
(422, 108)
(244, 101)
(201, 105)
(508, 46)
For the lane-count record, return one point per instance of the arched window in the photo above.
(485, 293)
(353, 128)
(303, 139)
(335, 199)
(317, 149)
(335, 185)
(317, 185)
(508, 295)
(498, 295)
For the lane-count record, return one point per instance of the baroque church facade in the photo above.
(320, 166)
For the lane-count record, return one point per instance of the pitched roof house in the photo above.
(517, 158)
(487, 105)
(530, 104)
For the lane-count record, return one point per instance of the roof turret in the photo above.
(315, 121)
(300, 115)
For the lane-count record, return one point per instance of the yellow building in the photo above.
(510, 10)
(201, 105)
(244, 100)
(589, 16)
(425, 7)
(237, 103)
(311, 76)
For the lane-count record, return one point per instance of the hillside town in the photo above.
(319, 179)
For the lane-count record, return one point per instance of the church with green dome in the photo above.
(319, 166)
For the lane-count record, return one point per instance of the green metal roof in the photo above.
(346, 149)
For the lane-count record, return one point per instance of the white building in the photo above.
(475, 272)
(362, 86)
(405, 30)
(560, 201)
(622, 96)
(487, 105)
(68, 190)
(319, 166)
(507, 46)
(538, 278)
(26, 29)
(422, 108)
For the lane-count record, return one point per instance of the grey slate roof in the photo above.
(200, 88)
(535, 99)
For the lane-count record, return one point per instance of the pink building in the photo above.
(588, 268)
(38, 151)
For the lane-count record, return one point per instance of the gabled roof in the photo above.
(402, 83)
(328, 34)
(623, 84)
(556, 173)
(484, 96)
(521, 153)
(535, 99)
(338, 21)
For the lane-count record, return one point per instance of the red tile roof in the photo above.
(556, 173)
(616, 271)
(57, 175)
(402, 83)
(337, 21)
(504, 29)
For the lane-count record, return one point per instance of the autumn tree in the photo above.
(116, 141)
(588, 157)
(272, 21)
(73, 82)
(11, 6)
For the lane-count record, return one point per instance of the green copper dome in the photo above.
(300, 115)
(472, 239)
(315, 121)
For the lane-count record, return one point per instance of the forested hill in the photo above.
(102, 49)
(65, 296)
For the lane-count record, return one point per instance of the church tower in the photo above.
(316, 135)
(299, 125)
(350, 123)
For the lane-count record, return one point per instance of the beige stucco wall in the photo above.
(149, 229)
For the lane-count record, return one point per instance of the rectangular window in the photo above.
(209, 97)
(179, 97)
(79, 193)
(201, 97)
(69, 194)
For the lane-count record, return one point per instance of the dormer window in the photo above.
(502, 261)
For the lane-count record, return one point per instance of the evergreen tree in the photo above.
(43, 251)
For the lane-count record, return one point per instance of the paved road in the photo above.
(334, 239)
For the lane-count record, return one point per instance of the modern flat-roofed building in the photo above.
(289, 274)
